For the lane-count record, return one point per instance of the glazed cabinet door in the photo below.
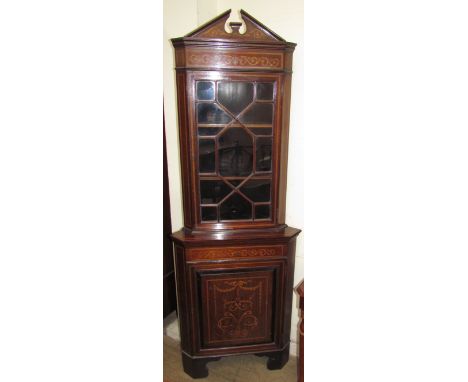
(238, 303)
(235, 125)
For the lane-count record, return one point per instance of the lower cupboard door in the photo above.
(237, 306)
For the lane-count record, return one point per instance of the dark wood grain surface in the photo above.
(300, 361)
(234, 276)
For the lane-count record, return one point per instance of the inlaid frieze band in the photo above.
(227, 60)
(232, 252)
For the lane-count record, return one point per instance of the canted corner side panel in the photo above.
(184, 305)
(180, 57)
(185, 148)
(237, 308)
(284, 148)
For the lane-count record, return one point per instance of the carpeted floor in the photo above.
(247, 368)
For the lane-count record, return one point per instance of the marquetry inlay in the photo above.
(230, 252)
(252, 33)
(234, 259)
(239, 309)
(238, 318)
(246, 60)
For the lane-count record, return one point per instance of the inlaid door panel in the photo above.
(237, 306)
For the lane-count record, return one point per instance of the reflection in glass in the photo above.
(206, 155)
(211, 113)
(235, 96)
(257, 190)
(265, 91)
(213, 191)
(262, 211)
(205, 90)
(235, 153)
(234, 182)
(207, 131)
(227, 149)
(263, 159)
(209, 213)
(261, 130)
(235, 207)
(258, 113)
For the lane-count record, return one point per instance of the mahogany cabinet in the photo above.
(234, 258)
(300, 333)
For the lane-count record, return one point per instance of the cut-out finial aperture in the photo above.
(235, 26)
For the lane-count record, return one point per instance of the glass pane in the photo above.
(235, 96)
(206, 155)
(261, 130)
(213, 191)
(235, 152)
(209, 213)
(211, 113)
(259, 113)
(235, 183)
(263, 158)
(205, 90)
(265, 91)
(257, 190)
(262, 212)
(236, 207)
(204, 131)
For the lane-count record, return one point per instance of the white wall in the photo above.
(176, 24)
(284, 18)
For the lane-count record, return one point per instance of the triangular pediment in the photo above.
(255, 30)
